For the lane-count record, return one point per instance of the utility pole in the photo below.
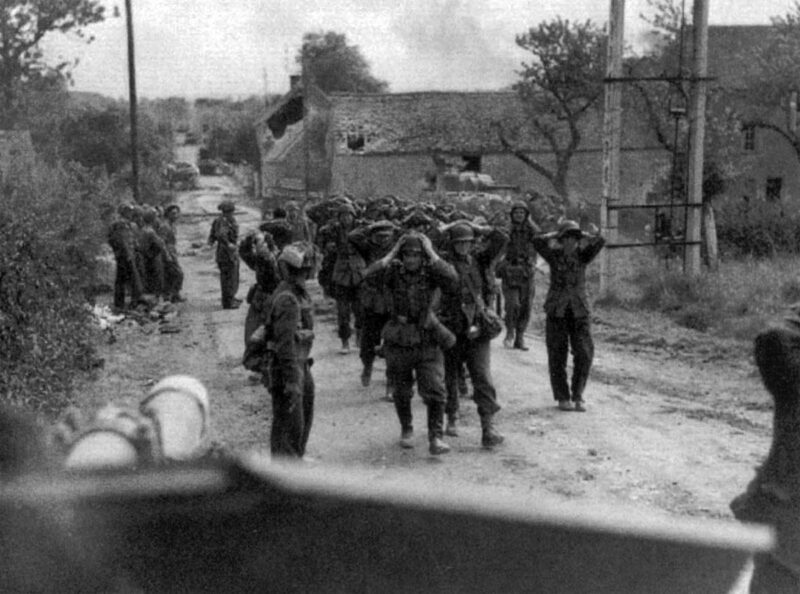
(612, 126)
(697, 129)
(133, 103)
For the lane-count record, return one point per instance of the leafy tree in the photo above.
(559, 88)
(23, 25)
(336, 66)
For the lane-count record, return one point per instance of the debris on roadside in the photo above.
(148, 315)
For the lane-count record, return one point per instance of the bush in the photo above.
(761, 230)
(51, 228)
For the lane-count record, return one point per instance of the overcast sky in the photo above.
(235, 48)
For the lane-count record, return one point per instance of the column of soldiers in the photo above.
(145, 251)
(415, 283)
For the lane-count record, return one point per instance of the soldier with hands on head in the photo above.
(225, 233)
(568, 251)
(412, 273)
(173, 272)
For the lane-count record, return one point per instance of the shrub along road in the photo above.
(676, 421)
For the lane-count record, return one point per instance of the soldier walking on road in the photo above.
(461, 308)
(289, 332)
(154, 254)
(516, 271)
(225, 233)
(568, 251)
(410, 348)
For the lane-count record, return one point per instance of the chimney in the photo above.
(294, 81)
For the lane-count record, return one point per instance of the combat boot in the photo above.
(345, 346)
(438, 447)
(407, 438)
(519, 343)
(451, 428)
(508, 341)
(366, 374)
(490, 437)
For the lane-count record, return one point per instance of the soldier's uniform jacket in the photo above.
(289, 316)
(516, 268)
(151, 243)
(568, 274)
(225, 232)
(458, 305)
(348, 269)
(166, 230)
(123, 238)
(409, 297)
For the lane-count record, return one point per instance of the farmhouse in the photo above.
(404, 143)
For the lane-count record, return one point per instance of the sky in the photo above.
(237, 48)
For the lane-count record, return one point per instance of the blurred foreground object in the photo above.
(169, 425)
(773, 496)
(253, 526)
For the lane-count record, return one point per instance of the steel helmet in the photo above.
(461, 232)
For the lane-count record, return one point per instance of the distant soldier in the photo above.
(348, 270)
(154, 254)
(411, 273)
(173, 272)
(225, 233)
(289, 332)
(122, 237)
(517, 273)
(568, 251)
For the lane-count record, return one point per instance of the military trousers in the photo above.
(371, 325)
(228, 281)
(348, 306)
(563, 334)
(476, 355)
(425, 363)
(518, 301)
(126, 281)
(292, 412)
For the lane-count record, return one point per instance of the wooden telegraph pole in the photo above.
(697, 130)
(132, 100)
(612, 122)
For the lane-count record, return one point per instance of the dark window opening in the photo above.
(749, 133)
(774, 187)
(471, 163)
(355, 142)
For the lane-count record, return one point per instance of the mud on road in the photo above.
(676, 421)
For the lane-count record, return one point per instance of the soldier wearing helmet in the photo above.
(154, 254)
(225, 233)
(372, 242)
(516, 271)
(288, 334)
(346, 274)
(412, 273)
(568, 251)
(462, 308)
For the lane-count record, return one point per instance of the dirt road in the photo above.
(676, 422)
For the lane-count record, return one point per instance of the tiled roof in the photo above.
(425, 121)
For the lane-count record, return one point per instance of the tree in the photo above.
(335, 66)
(23, 26)
(558, 88)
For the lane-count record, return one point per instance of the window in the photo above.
(749, 140)
(774, 187)
(471, 163)
(355, 142)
